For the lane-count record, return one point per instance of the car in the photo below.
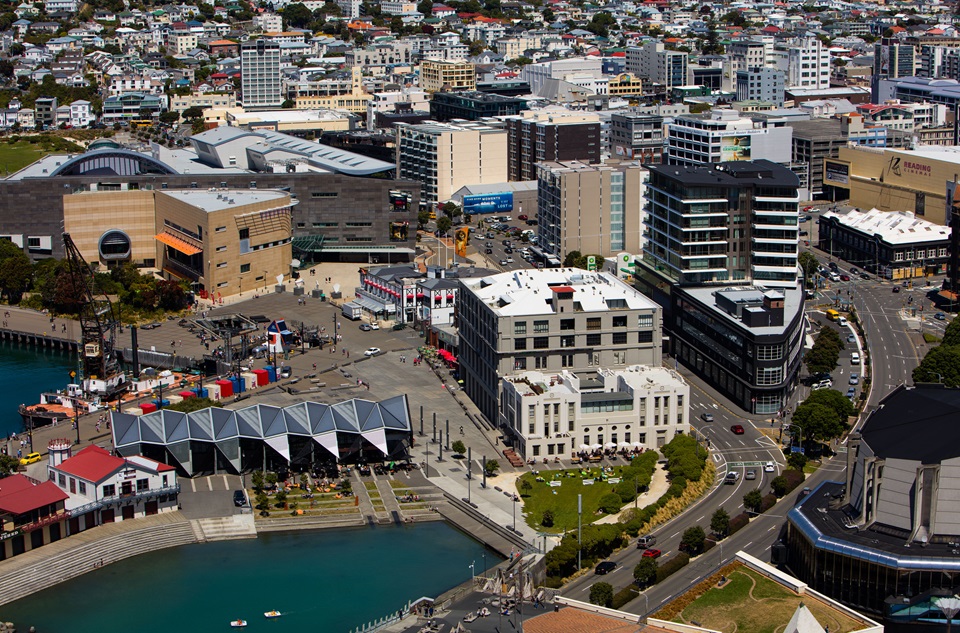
(844, 277)
(896, 289)
(372, 351)
(503, 262)
(490, 235)
(651, 553)
(706, 417)
(865, 276)
(489, 244)
(940, 316)
(804, 493)
(855, 359)
(150, 326)
(732, 477)
(821, 384)
(852, 393)
(751, 474)
(509, 260)
(374, 325)
(489, 251)
(737, 429)
(833, 266)
(809, 208)
(854, 379)
(365, 327)
(532, 222)
(239, 498)
(508, 250)
(645, 542)
(804, 233)
(506, 242)
(605, 567)
(851, 338)
(522, 216)
(286, 371)
(31, 458)
(769, 467)
(854, 271)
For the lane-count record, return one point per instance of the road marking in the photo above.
(674, 534)
(701, 518)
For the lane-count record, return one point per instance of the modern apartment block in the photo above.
(725, 135)
(444, 157)
(550, 320)
(553, 415)
(655, 63)
(760, 84)
(894, 60)
(551, 134)
(637, 135)
(473, 106)
(806, 62)
(594, 209)
(437, 75)
(260, 74)
(734, 222)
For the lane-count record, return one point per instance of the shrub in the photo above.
(709, 544)
(753, 500)
(779, 485)
(610, 503)
(672, 566)
(797, 461)
(601, 593)
(624, 596)
(768, 502)
(692, 540)
(794, 478)
(547, 519)
(645, 572)
(737, 523)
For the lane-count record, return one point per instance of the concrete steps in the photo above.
(287, 524)
(235, 526)
(69, 563)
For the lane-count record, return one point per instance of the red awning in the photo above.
(178, 243)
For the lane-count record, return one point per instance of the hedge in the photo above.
(624, 596)
(794, 479)
(737, 523)
(768, 502)
(672, 566)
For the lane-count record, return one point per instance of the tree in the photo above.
(645, 572)
(823, 356)
(297, 15)
(8, 465)
(818, 421)
(571, 259)
(753, 500)
(610, 503)
(779, 485)
(193, 112)
(692, 540)
(601, 593)
(525, 487)
(809, 264)
(833, 399)
(423, 216)
(257, 479)
(170, 117)
(492, 466)
(443, 224)
(450, 209)
(459, 447)
(941, 364)
(720, 522)
(951, 336)
(600, 23)
(796, 461)
(16, 271)
(547, 519)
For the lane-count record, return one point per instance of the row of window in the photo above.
(592, 323)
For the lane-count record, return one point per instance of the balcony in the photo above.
(143, 495)
(45, 521)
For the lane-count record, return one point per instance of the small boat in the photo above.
(272, 614)
(238, 624)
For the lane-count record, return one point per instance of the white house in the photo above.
(104, 488)
(80, 114)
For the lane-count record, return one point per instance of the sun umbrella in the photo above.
(584, 447)
(625, 444)
(611, 445)
(638, 444)
(597, 447)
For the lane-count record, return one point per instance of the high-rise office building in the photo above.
(260, 74)
(725, 135)
(551, 134)
(654, 62)
(638, 135)
(760, 84)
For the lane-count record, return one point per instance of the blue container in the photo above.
(162, 403)
(201, 393)
(237, 384)
(271, 373)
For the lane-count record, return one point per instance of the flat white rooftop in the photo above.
(210, 201)
(893, 227)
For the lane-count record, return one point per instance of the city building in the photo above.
(437, 75)
(389, 292)
(260, 74)
(893, 60)
(720, 136)
(262, 437)
(883, 540)
(226, 241)
(215, 100)
(473, 105)
(551, 134)
(892, 244)
(32, 514)
(655, 63)
(408, 101)
(550, 320)
(379, 58)
(45, 111)
(354, 98)
(103, 488)
(919, 90)
(446, 156)
(498, 197)
(593, 209)
(553, 414)
(583, 73)
(806, 62)
(132, 105)
(760, 84)
(637, 135)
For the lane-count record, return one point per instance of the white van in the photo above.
(834, 277)
(855, 358)
(842, 321)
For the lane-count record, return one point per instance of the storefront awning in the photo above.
(374, 306)
(178, 244)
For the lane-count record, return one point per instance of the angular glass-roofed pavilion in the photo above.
(263, 436)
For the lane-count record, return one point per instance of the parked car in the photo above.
(854, 379)
(844, 277)
(821, 384)
(851, 338)
(855, 359)
(854, 271)
(651, 553)
(769, 467)
(737, 429)
(365, 327)
(804, 233)
(489, 251)
(852, 393)
(896, 289)
(605, 567)
(150, 326)
(706, 417)
(31, 458)
(286, 371)
(239, 498)
(522, 216)
(372, 351)
(865, 276)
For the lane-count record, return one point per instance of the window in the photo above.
(244, 268)
(83, 487)
(536, 450)
(620, 321)
(566, 360)
(222, 265)
(531, 427)
(143, 484)
(531, 411)
(541, 326)
(244, 234)
(220, 229)
(520, 327)
(620, 357)
(73, 485)
(568, 341)
(541, 342)
(540, 362)
(567, 324)
(165, 480)
(520, 344)
(593, 323)
(520, 363)
(221, 249)
(593, 339)
(619, 338)
(644, 320)
(323, 194)
(645, 337)
(109, 490)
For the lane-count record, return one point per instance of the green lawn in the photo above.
(752, 603)
(562, 500)
(18, 155)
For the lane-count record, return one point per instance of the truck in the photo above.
(352, 311)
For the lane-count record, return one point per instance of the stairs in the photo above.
(288, 524)
(76, 555)
(235, 526)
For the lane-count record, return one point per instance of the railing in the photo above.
(132, 496)
(47, 520)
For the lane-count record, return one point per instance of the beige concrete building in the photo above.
(290, 121)
(214, 100)
(594, 209)
(355, 100)
(219, 240)
(182, 43)
(444, 157)
(437, 75)
(894, 179)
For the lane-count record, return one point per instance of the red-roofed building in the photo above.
(228, 48)
(32, 514)
(104, 488)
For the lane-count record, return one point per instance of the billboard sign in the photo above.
(836, 173)
(735, 148)
(488, 203)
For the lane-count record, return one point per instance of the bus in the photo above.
(138, 123)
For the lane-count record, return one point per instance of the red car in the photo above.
(737, 429)
(651, 553)
(522, 216)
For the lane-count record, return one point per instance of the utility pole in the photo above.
(579, 528)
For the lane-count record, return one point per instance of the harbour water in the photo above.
(328, 581)
(27, 371)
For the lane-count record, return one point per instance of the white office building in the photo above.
(806, 63)
(260, 74)
(724, 135)
(655, 63)
(557, 414)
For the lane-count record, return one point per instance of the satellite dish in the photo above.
(279, 279)
(295, 263)
(336, 287)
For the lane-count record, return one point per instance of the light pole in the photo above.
(514, 515)
(579, 528)
(473, 575)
